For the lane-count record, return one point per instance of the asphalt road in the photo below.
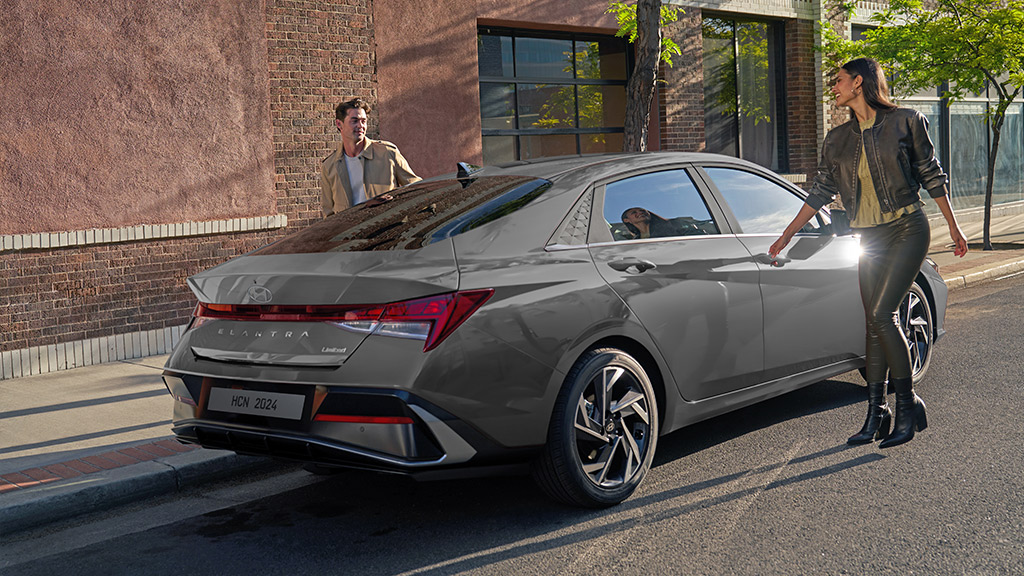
(771, 489)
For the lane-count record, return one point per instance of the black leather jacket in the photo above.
(900, 155)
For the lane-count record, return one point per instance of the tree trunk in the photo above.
(997, 128)
(640, 91)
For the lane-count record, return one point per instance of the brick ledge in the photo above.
(32, 241)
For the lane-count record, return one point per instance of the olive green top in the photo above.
(869, 211)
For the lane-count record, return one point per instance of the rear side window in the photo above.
(419, 215)
(656, 205)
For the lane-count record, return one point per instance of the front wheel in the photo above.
(919, 330)
(603, 432)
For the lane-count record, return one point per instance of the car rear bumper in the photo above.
(389, 430)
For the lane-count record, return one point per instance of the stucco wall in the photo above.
(427, 82)
(123, 113)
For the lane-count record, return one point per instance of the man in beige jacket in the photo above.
(360, 169)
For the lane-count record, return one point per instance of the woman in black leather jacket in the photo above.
(877, 162)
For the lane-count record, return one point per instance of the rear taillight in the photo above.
(431, 319)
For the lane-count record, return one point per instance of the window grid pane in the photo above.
(583, 105)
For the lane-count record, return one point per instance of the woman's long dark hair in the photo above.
(876, 89)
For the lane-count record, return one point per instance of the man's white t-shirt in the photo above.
(355, 178)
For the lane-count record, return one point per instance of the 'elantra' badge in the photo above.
(259, 294)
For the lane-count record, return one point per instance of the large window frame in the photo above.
(521, 81)
(776, 60)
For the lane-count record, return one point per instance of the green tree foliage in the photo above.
(969, 45)
(625, 15)
(641, 23)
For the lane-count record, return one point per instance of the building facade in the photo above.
(143, 142)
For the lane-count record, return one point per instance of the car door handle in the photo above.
(777, 262)
(637, 264)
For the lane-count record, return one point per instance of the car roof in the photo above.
(599, 166)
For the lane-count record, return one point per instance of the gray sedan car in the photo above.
(556, 316)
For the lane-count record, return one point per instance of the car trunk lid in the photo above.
(308, 309)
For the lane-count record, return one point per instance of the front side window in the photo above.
(759, 205)
(657, 205)
(743, 107)
(550, 96)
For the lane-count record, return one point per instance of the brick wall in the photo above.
(681, 97)
(802, 101)
(50, 296)
(319, 54)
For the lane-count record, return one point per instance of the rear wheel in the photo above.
(603, 432)
(919, 330)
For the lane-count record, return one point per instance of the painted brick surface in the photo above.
(681, 97)
(320, 54)
(802, 98)
(65, 288)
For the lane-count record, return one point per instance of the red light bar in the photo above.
(443, 313)
(328, 313)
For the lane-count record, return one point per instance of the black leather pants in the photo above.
(891, 259)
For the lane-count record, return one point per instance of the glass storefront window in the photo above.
(543, 58)
(933, 112)
(550, 96)
(600, 143)
(1009, 180)
(968, 154)
(500, 149)
(601, 60)
(546, 106)
(742, 107)
(602, 106)
(497, 106)
(546, 145)
(495, 56)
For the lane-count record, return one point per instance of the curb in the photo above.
(972, 278)
(21, 510)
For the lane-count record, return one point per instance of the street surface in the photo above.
(771, 489)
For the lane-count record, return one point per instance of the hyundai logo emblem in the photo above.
(260, 294)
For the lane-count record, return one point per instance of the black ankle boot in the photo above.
(876, 426)
(910, 414)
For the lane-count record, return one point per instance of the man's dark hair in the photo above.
(342, 110)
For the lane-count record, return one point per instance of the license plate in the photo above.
(272, 404)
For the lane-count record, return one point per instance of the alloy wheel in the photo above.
(603, 433)
(613, 426)
(916, 323)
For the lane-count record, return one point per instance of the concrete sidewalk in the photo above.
(90, 438)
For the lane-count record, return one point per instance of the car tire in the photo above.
(600, 446)
(919, 330)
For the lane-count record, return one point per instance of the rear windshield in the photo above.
(420, 214)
